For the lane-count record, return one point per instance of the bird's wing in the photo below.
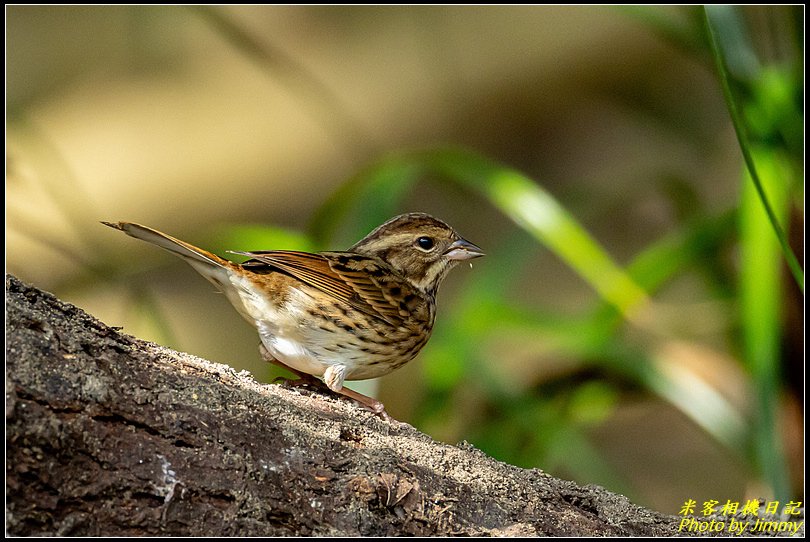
(365, 283)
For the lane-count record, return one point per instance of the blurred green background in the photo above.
(638, 320)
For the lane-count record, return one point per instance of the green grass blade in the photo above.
(537, 212)
(760, 294)
(592, 337)
(716, 17)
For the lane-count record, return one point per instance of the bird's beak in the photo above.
(463, 250)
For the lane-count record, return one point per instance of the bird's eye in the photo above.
(425, 243)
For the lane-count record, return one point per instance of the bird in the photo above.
(338, 316)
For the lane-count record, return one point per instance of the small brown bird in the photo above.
(337, 315)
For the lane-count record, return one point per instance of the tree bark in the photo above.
(110, 435)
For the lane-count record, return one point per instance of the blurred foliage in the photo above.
(618, 345)
(764, 96)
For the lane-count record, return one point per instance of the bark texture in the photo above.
(110, 435)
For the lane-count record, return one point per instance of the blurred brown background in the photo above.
(158, 115)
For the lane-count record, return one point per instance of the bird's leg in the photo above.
(306, 379)
(369, 403)
(334, 377)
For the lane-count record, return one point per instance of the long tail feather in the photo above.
(181, 248)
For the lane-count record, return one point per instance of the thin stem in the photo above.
(742, 138)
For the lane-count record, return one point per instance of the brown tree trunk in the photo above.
(110, 435)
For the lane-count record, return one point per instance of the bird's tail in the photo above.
(209, 265)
